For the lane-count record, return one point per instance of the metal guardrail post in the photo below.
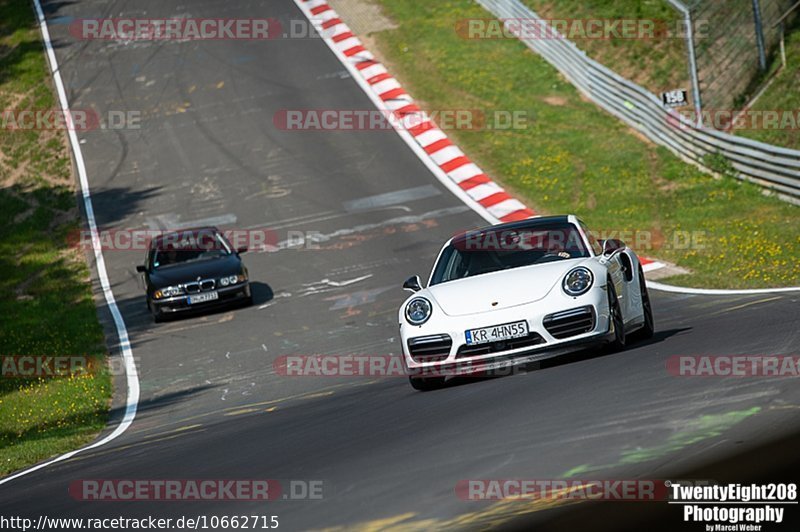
(762, 55)
(783, 45)
(782, 26)
(689, 26)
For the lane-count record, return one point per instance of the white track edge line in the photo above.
(132, 398)
(718, 291)
(475, 206)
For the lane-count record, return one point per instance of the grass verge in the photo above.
(661, 64)
(658, 64)
(782, 95)
(46, 305)
(573, 157)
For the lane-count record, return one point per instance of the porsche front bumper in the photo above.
(440, 345)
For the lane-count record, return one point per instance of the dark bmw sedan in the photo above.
(192, 269)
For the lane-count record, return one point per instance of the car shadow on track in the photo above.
(139, 321)
(566, 358)
(262, 292)
(586, 354)
(165, 400)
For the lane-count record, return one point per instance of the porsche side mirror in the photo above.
(241, 250)
(141, 268)
(413, 284)
(611, 246)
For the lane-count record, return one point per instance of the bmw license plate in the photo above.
(497, 333)
(202, 298)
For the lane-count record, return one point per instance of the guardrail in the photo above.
(772, 167)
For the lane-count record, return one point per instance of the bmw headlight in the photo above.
(174, 291)
(229, 280)
(418, 310)
(578, 281)
(169, 291)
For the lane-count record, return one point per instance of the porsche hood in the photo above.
(502, 289)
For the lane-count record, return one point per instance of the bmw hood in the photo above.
(190, 271)
(502, 289)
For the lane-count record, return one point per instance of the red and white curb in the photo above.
(445, 159)
(648, 265)
(458, 167)
(446, 155)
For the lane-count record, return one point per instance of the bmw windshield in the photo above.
(191, 246)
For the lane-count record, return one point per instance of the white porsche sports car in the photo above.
(519, 292)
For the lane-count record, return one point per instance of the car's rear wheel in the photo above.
(615, 315)
(427, 383)
(648, 329)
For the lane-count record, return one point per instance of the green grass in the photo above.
(782, 95)
(46, 305)
(575, 158)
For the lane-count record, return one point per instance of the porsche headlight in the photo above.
(578, 281)
(418, 310)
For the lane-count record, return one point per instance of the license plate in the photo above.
(202, 298)
(497, 333)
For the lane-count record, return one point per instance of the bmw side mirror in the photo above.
(241, 250)
(611, 246)
(413, 284)
(141, 268)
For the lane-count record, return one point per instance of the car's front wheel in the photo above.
(426, 384)
(158, 316)
(615, 315)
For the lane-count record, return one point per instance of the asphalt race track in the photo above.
(212, 405)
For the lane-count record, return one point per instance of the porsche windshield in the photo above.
(486, 251)
(179, 248)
